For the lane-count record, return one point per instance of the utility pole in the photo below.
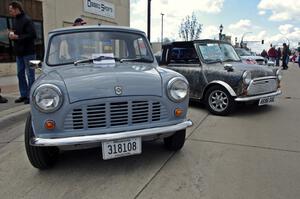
(162, 28)
(149, 20)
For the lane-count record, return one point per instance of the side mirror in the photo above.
(35, 64)
(228, 67)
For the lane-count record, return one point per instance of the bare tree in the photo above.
(190, 28)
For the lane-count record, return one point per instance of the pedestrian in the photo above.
(2, 99)
(298, 49)
(79, 22)
(284, 56)
(264, 54)
(278, 56)
(23, 35)
(272, 53)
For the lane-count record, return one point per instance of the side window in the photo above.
(183, 56)
(140, 48)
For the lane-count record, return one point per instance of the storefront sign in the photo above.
(99, 7)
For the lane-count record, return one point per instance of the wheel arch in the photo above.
(219, 83)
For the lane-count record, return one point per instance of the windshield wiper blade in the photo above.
(214, 60)
(100, 58)
(234, 60)
(137, 59)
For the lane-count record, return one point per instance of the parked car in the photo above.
(248, 57)
(218, 77)
(101, 87)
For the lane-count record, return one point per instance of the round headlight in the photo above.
(247, 77)
(177, 89)
(279, 74)
(47, 98)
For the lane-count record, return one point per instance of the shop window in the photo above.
(6, 46)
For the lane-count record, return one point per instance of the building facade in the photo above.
(51, 14)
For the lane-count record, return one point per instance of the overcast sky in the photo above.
(275, 21)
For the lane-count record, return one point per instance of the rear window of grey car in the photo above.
(70, 47)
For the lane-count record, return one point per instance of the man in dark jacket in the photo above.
(284, 56)
(23, 35)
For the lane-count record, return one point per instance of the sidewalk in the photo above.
(11, 112)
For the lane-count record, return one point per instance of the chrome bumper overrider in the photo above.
(257, 97)
(107, 137)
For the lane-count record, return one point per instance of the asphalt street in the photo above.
(251, 154)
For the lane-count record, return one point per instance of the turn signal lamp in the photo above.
(49, 124)
(178, 112)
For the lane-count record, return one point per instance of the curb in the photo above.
(11, 116)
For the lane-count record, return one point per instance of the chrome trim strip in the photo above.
(245, 99)
(264, 78)
(107, 137)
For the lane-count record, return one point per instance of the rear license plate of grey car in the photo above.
(121, 148)
(266, 100)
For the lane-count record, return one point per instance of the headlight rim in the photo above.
(279, 74)
(54, 87)
(170, 83)
(245, 74)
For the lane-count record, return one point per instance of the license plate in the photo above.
(266, 100)
(121, 148)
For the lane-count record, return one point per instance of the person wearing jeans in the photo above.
(23, 35)
(22, 69)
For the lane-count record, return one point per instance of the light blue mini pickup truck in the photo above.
(102, 87)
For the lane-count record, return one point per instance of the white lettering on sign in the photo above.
(99, 7)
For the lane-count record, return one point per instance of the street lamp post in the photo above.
(242, 40)
(162, 28)
(220, 34)
(149, 20)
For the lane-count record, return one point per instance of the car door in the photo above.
(188, 64)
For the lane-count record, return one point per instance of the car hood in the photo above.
(86, 82)
(255, 70)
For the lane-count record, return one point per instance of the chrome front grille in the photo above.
(115, 114)
(262, 85)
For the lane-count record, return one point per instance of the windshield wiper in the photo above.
(214, 60)
(100, 58)
(137, 60)
(234, 60)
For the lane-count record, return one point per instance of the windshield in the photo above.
(217, 52)
(243, 52)
(75, 47)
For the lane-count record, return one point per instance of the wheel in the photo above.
(39, 157)
(176, 141)
(218, 101)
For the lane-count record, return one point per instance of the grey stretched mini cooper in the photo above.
(101, 87)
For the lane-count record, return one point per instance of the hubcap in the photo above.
(218, 100)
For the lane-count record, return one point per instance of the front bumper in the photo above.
(107, 137)
(257, 97)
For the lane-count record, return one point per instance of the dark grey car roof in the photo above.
(184, 43)
(95, 28)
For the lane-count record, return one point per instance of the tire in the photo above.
(39, 157)
(176, 141)
(218, 101)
